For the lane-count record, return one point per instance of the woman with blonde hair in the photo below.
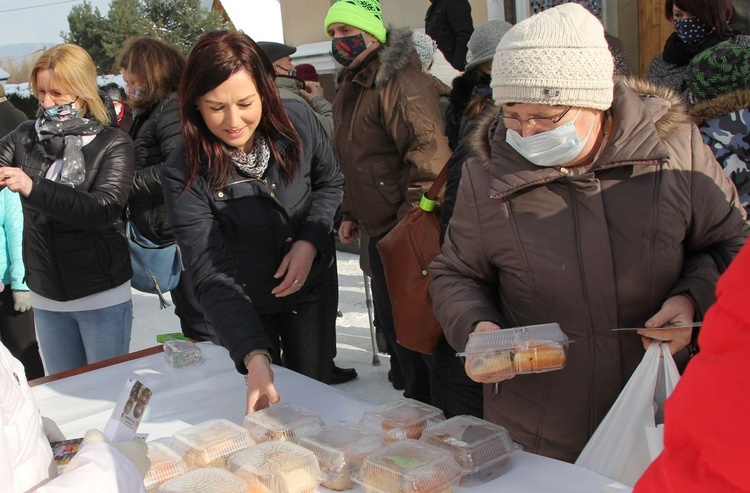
(73, 172)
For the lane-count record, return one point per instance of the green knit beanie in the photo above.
(362, 14)
(719, 70)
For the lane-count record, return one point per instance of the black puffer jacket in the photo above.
(156, 133)
(73, 241)
(233, 239)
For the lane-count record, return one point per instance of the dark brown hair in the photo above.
(716, 13)
(216, 57)
(156, 63)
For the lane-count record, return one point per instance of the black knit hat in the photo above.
(719, 70)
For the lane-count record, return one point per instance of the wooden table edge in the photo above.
(95, 366)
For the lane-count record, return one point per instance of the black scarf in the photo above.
(680, 53)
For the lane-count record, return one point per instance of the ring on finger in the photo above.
(296, 282)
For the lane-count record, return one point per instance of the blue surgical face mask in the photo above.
(691, 31)
(61, 112)
(556, 147)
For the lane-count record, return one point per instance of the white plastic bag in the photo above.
(628, 438)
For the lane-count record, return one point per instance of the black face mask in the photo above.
(291, 72)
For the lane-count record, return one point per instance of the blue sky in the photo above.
(40, 24)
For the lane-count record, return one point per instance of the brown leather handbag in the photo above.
(406, 251)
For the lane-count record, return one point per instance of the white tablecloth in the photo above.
(187, 396)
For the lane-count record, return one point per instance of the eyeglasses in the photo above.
(541, 123)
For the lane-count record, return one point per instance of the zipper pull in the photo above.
(496, 388)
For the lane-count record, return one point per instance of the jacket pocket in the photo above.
(385, 180)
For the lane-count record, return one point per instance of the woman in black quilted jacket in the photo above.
(152, 69)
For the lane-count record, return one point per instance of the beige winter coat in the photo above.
(529, 245)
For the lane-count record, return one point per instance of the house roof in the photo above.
(4, 75)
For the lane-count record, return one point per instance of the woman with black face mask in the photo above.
(699, 24)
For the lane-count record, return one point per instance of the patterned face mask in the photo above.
(61, 112)
(134, 93)
(347, 48)
(691, 31)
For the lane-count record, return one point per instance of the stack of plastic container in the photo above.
(166, 464)
(340, 449)
(482, 449)
(402, 419)
(277, 467)
(282, 422)
(210, 443)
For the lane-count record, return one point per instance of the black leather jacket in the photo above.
(73, 241)
(233, 239)
(449, 23)
(155, 132)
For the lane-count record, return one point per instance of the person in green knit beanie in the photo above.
(390, 142)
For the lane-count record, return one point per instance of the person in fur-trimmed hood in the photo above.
(389, 139)
(588, 203)
(718, 80)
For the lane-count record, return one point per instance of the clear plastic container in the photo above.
(207, 480)
(508, 352)
(482, 449)
(210, 443)
(407, 467)
(180, 353)
(402, 419)
(166, 464)
(277, 467)
(284, 421)
(340, 449)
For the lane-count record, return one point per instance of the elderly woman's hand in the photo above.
(676, 310)
(485, 327)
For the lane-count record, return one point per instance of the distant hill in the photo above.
(20, 50)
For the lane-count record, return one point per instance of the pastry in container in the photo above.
(205, 480)
(340, 448)
(284, 421)
(409, 466)
(277, 467)
(402, 419)
(507, 352)
(208, 444)
(166, 464)
(482, 449)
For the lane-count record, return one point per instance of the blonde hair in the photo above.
(75, 72)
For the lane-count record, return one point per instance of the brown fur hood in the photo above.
(665, 105)
(723, 105)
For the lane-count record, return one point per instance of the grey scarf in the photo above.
(66, 137)
(254, 163)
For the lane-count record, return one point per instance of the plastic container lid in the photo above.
(166, 464)
(507, 352)
(206, 480)
(209, 444)
(408, 466)
(481, 448)
(340, 449)
(402, 419)
(277, 467)
(284, 421)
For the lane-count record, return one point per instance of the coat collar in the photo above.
(643, 116)
(384, 63)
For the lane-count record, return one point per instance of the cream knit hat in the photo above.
(556, 57)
